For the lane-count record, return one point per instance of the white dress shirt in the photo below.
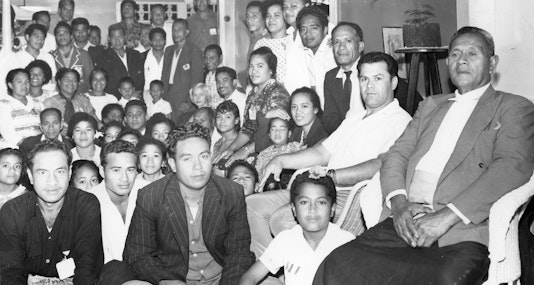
(356, 102)
(114, 228)
(447, 136)
(153, 69)
(319, 64)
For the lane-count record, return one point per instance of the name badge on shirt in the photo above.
(213, 31)
(186, 66)
(252, 114)
(66, 267)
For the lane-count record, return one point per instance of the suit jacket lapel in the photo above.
(58, 59)
(182, 60)
(431, 123)
(480, 118)
(212, 215)
(75, 57)
(175, 209)
(116, 60)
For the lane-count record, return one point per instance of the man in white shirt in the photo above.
(117, 196)
(43, 18)
(461, 153)
(158, 18)
(226, 79)
(351, 154)
(154, 59)
(212, 59)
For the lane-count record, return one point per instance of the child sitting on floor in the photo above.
(242, 172)
(279, 133)
(301, 249)
(11, 166)
(84, 175)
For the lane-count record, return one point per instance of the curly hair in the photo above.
(189, 130)
(157, 118)
(43, 65)
(150, 141)
(245, 164)
(81, 117)
(303, 178)
(46, 146)
(117, 146)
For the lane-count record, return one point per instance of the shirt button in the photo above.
(47, 260)
(193, 242)
(194, 254)
(481, 165)
(201, 271)
(49, 237)
(191, 222)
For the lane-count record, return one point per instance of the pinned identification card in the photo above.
(65, 268)
(213, 31)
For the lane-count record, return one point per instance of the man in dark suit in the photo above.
(341, 90)
(120, 61)
(51, 126)
(183, 67)
(460, 154)
(190, 226)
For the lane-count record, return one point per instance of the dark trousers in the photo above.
(115, 272)
(380, 256)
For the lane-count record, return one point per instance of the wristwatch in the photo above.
(332, 174)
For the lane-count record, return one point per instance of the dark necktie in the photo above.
(347, 86)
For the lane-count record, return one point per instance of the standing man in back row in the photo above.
(182, 69)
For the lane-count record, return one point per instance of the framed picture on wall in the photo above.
(393, 40)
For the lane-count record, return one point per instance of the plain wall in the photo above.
(372, 15)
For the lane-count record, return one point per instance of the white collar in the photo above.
(353, 68)
(472, 95)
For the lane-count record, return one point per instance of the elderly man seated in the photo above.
(350, 153)
(461, 153)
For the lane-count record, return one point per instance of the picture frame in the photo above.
(393, 40)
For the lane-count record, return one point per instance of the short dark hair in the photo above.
(354, 26)
(189, 130)
(129, 131)
(312, 95)
(228, 70)
(110, 107)
(62, 3)
(229, 107)
(13, 151)
(81, 117)
(485, 35)
(126, 79)
(287, 122)
(116, 27)
(132, 103)
(376, 56)
(267, 4)
(95, 71)
(11, 75)
(134, 4)
(151, 141)
(181, 21)
(78, 164)
(155, 31)
(63, 71)
(257, 4)
(31, 28)
(157, 82)
(64, 25)
(215, 48)
(43, 65)
(117, 146)
(46, 146)
(38, 14)
(95, 28)
(80, 21)
(50, 110)
(111, 124)
(315, 12)
(301, 179)
(157, 118)
(245, 164)
(157, 6)
(269, 57)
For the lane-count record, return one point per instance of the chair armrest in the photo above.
(501, 214)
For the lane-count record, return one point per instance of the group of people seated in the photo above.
(121, 167)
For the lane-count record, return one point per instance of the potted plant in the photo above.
(418, 32)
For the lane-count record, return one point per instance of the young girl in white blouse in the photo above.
(11, 166)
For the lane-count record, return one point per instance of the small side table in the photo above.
(430, 64)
